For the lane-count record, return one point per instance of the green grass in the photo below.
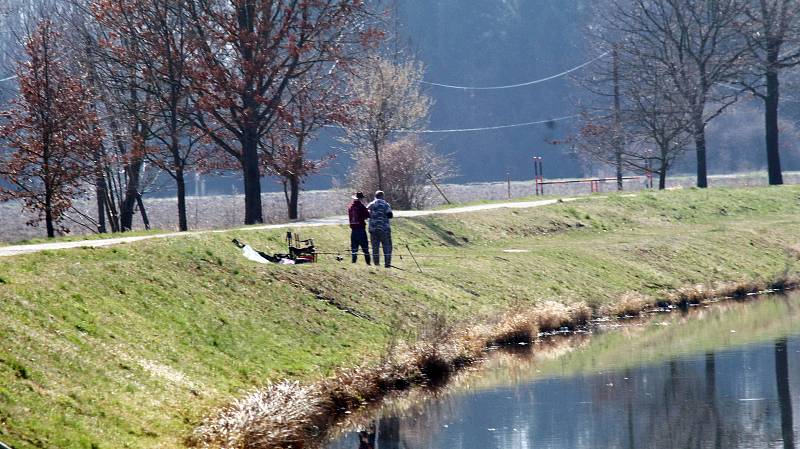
(130, 346)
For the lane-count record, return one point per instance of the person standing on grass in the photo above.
(380, 230)
(358, 214)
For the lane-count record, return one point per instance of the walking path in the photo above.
(14, 250)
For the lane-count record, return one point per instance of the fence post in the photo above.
(538, 175)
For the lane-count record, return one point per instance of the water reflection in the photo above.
(728, 377)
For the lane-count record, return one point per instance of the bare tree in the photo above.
(118, 100)
(656, 118)
(646, 115)
(388, 98)
(771, 26)
(697, 44)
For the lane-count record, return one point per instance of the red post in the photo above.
(538, 176)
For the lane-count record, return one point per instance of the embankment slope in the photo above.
(130, 346)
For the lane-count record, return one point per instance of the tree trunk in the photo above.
(111, 205)
(111, 214)
(617, 121)
(99, 179)
(784, 393)
(126, 212)
(771, 119)
(133, 172)
(180, 180)
(294, 196)
(142, 210)
(711, 397)
(662, 178)
(100, 191)
(376, 150)
(700, 147)
(48, 212)
(252, 180)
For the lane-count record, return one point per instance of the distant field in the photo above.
(225, 211)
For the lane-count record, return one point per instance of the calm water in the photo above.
(727, 376)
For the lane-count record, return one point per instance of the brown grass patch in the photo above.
(277, 416)
(553, 316)
(630, 303)
(740, 289)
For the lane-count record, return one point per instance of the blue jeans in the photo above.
(381, 237)
(358, 239)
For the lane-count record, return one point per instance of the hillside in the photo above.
(130, 346)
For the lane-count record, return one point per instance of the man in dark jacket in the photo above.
(380, 230)
(358, 214)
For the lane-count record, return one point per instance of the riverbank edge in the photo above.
(291, 414)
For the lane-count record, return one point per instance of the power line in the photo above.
(464, 130)
(67, 53)
(487, 128)
(512, 86)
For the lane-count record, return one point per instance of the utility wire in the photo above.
(464, 130)
(512, 86)
(67, 53)
(487, 128)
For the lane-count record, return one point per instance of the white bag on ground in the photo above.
(251, 254)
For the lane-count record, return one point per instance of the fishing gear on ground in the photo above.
(300, 251)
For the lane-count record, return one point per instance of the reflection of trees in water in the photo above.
(719, 400)
(678, 405)
(389, 433)
(417, 425)
(784, 393)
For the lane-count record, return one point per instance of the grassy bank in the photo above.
(131, 346)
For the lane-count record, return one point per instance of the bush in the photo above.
(406, 164)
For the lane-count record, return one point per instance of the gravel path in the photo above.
(14, 250)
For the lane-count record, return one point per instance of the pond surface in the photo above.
(722, 376)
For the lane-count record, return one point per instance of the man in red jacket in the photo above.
(358, 214)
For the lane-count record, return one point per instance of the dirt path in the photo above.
(14, 250)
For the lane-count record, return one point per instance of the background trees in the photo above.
(316, 100)
(246, 54)
(771, 30)
(696, 45)
(180, 85)
(152, 55)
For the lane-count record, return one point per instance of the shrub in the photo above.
(406, 164)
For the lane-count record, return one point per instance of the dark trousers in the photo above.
(381, 238)
(358, 239)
